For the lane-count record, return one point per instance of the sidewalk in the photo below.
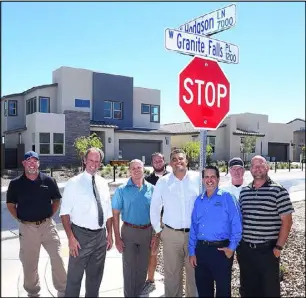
(12, 273)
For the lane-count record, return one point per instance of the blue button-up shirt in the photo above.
(133, 202)
(214, 219)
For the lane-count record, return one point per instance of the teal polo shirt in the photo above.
(133, 202)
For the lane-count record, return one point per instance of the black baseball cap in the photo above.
(236, 161)
(31, 154)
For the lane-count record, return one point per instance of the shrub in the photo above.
(122, 168)
(120, 174)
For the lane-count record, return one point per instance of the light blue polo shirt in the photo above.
(133, 202)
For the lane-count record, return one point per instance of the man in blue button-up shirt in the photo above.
(133, 201)
(215, 232)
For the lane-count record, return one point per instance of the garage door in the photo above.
(278, 150)
(132, 149)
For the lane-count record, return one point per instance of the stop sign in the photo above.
(204, 93)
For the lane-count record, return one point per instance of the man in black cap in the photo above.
(33, 198)
(236, 170)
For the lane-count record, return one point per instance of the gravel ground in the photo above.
(292, 259)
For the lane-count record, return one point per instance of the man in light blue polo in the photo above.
(133, 201)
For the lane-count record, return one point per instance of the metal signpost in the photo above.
(204, 95)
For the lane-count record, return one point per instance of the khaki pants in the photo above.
(175, 250)
(31, 238)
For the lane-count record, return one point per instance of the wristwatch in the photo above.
(278, 247)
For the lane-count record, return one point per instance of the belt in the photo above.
(142, 227)
(86, 229)
(180, 230)
(267, 244)
(214, 243)
(37, 223)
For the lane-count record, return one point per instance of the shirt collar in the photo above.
(267, 183)
(175, 178)
(87, 175)
(217, 192)
(131, 183)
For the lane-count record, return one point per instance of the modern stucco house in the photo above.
(48, 118)
(283, 141)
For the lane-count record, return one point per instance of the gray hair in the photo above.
(94, 149)
(136, 160)
(177, 151)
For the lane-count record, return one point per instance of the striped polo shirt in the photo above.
(261, 209)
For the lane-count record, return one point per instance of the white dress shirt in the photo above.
(80, 204)
(177, 197)
(234, 190)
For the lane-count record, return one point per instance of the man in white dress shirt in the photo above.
(236, 170)
(175, 192)
(85, 212)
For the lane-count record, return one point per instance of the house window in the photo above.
(211, 140)
(44, 104)
(145, 109)
(44, 143)
(12, 107)
(33, 141)
(58, 143)
(117, 110)
(31, 106)
(5, 108)
(154, 114)
(113, 110)
(107, 109)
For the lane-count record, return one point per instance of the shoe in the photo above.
(149, 287)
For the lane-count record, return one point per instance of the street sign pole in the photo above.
(203, 142)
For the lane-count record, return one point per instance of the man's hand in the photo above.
(276, 252)
(228, 252)
(74, 246)
(119, 245)
(109, 241)
(154, 243)
(193, 261)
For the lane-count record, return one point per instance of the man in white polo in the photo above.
(237, 182)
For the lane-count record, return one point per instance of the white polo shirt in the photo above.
(234, 190)
(80, 204)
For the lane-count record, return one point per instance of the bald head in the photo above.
(259, 158)
(259, 168)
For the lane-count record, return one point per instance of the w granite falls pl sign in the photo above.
(195, 44)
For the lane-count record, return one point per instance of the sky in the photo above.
(128, 39)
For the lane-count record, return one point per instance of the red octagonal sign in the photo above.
(204, 93)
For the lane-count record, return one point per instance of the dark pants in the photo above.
(213, 265)
(91, 259)
(135, 258)
(259, 271)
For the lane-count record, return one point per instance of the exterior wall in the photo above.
(166, 148)
(18, 121)
(107, 87)
(73, 83)
(299, 141)
(11, 140)
(146, 96)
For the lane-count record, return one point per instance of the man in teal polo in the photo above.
(133, 201)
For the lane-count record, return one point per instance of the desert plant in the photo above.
(122, 168)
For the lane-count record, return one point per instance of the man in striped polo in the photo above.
(267, 219)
